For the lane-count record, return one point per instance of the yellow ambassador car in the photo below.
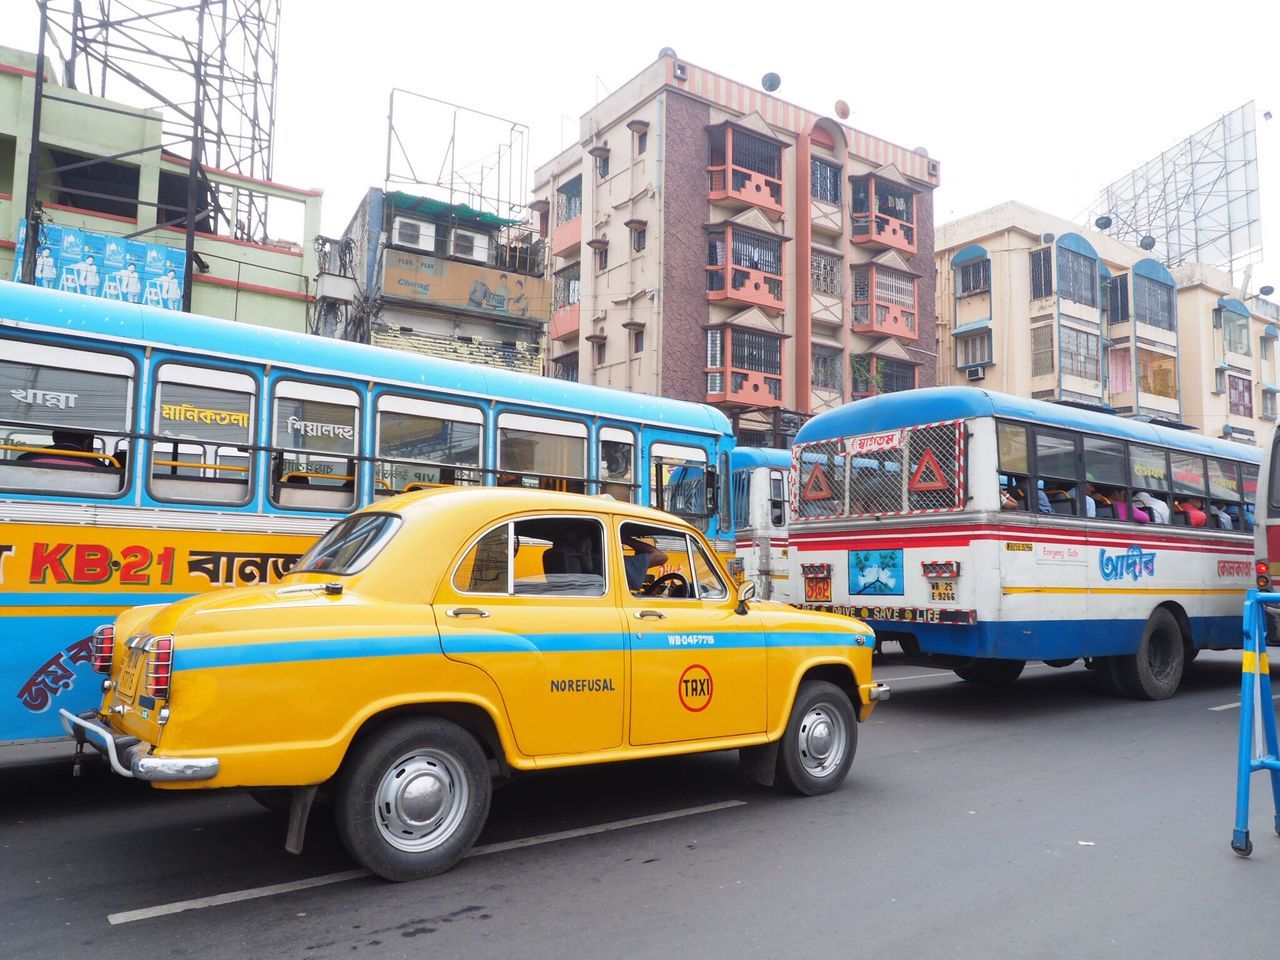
(438, 639)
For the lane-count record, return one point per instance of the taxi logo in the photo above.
(695, 688)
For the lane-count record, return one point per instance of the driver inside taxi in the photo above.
(646, 556)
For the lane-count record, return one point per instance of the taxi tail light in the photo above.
(1263, 570)
(159, 667)
(104, 645)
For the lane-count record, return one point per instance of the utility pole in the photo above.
(31, 202)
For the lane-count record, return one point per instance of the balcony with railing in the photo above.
(744, 267)
(744, 368)
(884, 212)
(884, 302)
(744, 169)
(566, 237)
(565, 308)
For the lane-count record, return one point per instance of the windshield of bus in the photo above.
(908, 471)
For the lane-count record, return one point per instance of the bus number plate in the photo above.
(817, 589)
(942, 591)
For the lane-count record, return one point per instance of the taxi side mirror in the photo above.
(746, 591)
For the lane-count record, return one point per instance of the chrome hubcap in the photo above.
(421, 800)
(823, 740)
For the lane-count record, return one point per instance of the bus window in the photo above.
(617, 463)
(541, 452)
(1056, 460)
(777, 498)
(682, 481)
(315, 442)
(1148, 467)
(1103, 473)
(201, 415)
(421, 443)
(63, 413)
(1015, 468)
(741, 496)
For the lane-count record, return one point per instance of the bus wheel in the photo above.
(1154, 672)
(412, 798)
(991, 672)
(821, 737)
(1108, 672)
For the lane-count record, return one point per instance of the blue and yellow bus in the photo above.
(147, 455)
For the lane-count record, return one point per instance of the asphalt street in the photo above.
(1042, 820)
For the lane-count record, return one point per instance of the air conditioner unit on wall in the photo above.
(470, 246)
(416, 234)
(975, 373)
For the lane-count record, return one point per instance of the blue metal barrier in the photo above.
(1257, 718)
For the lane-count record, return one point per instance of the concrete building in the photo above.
(257, 280)
(1031, 304)
(438, 279)
(712, 242)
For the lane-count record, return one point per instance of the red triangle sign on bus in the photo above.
(817, 487)
(928, 475)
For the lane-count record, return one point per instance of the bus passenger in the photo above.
(1125, 510)
(76, 440)
(1220, 516)
(1158, 509)
(1090, 506)
(1193, 508)
(1042, 498)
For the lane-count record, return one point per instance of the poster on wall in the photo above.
(100, 265)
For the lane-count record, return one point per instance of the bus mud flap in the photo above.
(299, 811)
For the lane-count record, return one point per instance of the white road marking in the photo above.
(1236, 705)
(256, 893)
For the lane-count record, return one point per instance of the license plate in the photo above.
(942, 591)
(817, 590)
(128, 684)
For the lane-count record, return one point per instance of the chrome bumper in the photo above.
(128, 755)
(877, 691)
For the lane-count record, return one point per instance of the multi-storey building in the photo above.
(712, 242)
(1033, 305)
(414, 273)
(104, 176)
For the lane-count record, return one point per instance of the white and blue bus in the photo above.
(980, 531)
(759, 478)
(147, 455)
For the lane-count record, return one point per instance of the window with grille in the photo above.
(973, 277)
(1041, 350)
(1079, 353)
(894, 201)
(1154, 303)
(861, 284)
(1158, 374)
(715, 382)
(973, 349)
(1118, 299)
(715, 348)
(567, 286)
(1041, 273)
(715, 250)
(1077, 277)
(757, 155)
(895, 375)
(896, 288)
(861, 376)
(825, 181)
(569, 201)
(757, 252)
(566, 367)
(827, 369)
(826, 271)
(1240, 396)
(757, 351)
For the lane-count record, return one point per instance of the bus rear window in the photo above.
(350, 546)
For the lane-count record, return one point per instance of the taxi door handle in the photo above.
(466, 612)
(650, 615)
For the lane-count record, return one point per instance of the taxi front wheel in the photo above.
(412, 798)
(821, 737)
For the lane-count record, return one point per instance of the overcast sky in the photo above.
(1042, 103)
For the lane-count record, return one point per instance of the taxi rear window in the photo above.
(350, 545)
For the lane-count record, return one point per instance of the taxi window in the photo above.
(660, 562)
(710, 586)
(350, 546)
(485, 568)
(537, 557)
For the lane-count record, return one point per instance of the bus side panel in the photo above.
(59, 582)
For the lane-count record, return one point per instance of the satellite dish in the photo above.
(842, 110)
(920, 151)
(1267, 291)
(667, 52)
(1047, 238)
(1102, 223)
(1148, 242)
(771, 82)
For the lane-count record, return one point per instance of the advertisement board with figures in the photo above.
(57, 584)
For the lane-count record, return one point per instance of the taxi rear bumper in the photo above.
(128, 755)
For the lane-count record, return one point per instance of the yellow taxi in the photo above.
(438, 639)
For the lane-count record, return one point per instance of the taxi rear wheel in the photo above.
(412, 798)
(820, 740)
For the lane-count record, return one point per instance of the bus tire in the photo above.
(1108, 671)
(1154, 672)
(994, 673)
(821, 738)
(412, 798)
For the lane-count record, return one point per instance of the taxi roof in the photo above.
(494, 501)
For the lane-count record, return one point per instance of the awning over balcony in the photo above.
(1271, 332)
(1270, 388)
(974, 326)
(1232, 305)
